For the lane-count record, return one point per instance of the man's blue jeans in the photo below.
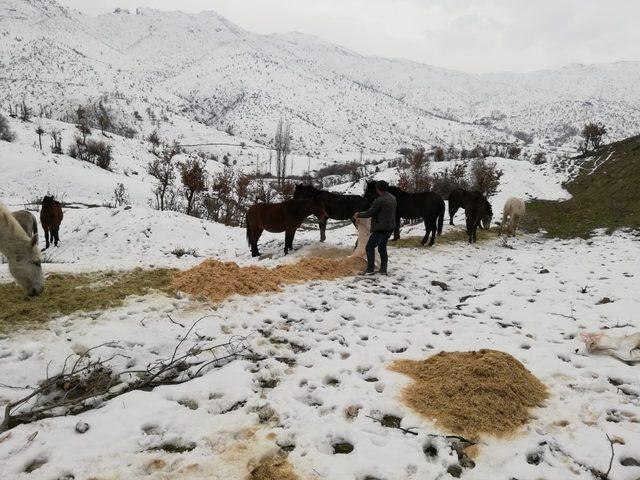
(377, 240)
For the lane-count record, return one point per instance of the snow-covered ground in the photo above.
(345, 333)
(326, 345)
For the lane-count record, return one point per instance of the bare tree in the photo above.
(103, 117)
(592, 134)
(82, 122)
(162, 169)
(282, 146)
(120, 197)
(6, 134)
(40, 131)
(414, 174)
(154, 140)
(56, 138)
(194, 181)
(25, 112)
(485, 176)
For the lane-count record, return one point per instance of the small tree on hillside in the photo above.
(82, 123)
(154, 140)
(194, 181)
(485, 176)
(56, 139)
(25, 112)
(414, 174)
(592, 134)
(514, 152)
(438, 154)
(6, 134)
(40, 131)
(282, 146)
(103, 116)
(162, 169)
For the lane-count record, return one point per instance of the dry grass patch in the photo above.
(67, 293)
(218, 280)
(469, 393)
(457, 235)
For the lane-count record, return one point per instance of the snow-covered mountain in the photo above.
(201, 68)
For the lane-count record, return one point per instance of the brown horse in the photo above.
(51, 218)
(280, 217)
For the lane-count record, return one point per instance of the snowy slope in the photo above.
(205, 69)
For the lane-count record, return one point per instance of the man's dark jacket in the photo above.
(382, 212)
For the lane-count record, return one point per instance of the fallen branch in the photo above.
(85, 382)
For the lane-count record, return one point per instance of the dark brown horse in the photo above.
(51, 218)
(478, 211)
(280, 217)
(456, 202)
(338, 206)
(426, 205)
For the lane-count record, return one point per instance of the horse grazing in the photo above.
(426, 205)
(456, 202)
(280, 217)
(51, 218)
(479, 213)
(22, 253)
(512, 213)
(338, 207)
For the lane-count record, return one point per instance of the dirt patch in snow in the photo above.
(274, 467)
(218, 280)
(470, 393)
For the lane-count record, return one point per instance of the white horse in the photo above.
(513, 210)
(22, 253)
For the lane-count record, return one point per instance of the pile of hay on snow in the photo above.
(469, 393)
(218, 280)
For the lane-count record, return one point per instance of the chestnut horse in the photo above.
(280, 217)
(51, 218)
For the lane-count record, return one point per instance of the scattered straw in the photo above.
(218, 280)
(469, 393)
(66, 293)
(273, 468)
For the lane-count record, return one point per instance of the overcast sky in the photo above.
(469, 35)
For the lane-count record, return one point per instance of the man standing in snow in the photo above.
(383, 215)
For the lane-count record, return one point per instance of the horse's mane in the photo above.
(10, 224)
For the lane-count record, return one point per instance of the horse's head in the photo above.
(26, 266)
(305, 191)
(47, 200)
(370, 191)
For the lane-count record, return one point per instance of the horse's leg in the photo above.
(514, 224)
(434, 231)
(46, 238)
(255, 235)
(452, 213)
(396, 229)
(288, 241)
(427, 231)
(323, 229)
(57, 236)
(503, 223)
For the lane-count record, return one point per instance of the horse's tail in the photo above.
(441, 218)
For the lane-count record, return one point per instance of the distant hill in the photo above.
(605, 194)
(201, 68)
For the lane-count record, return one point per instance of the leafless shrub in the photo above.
(485, 176)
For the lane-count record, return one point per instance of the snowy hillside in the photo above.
(202, 69)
